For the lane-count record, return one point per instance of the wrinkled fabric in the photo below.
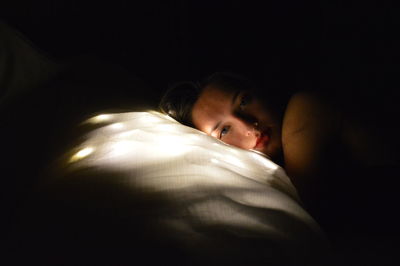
(208, 192)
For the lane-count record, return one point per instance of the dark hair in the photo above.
(179, 99)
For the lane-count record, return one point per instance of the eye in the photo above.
(224, 131)
(245, 100)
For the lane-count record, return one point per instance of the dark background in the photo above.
(288, 44)
(348, 49)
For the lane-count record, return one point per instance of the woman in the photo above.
(305, 134)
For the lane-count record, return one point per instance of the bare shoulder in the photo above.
(306, 110)
(308, 125)
(305, 97)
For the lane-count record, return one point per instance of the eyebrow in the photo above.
(234, 97)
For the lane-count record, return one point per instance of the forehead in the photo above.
(212, 104)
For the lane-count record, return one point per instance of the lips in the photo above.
(262, 140)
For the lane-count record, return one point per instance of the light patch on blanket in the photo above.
(213, 160)
(101, 118)
(81, 154)
(117, 126)
(120, 148)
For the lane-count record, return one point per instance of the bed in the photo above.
(138, 188)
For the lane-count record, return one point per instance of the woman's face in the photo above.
(237, 118)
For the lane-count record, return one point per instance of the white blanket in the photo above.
(212, 192)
